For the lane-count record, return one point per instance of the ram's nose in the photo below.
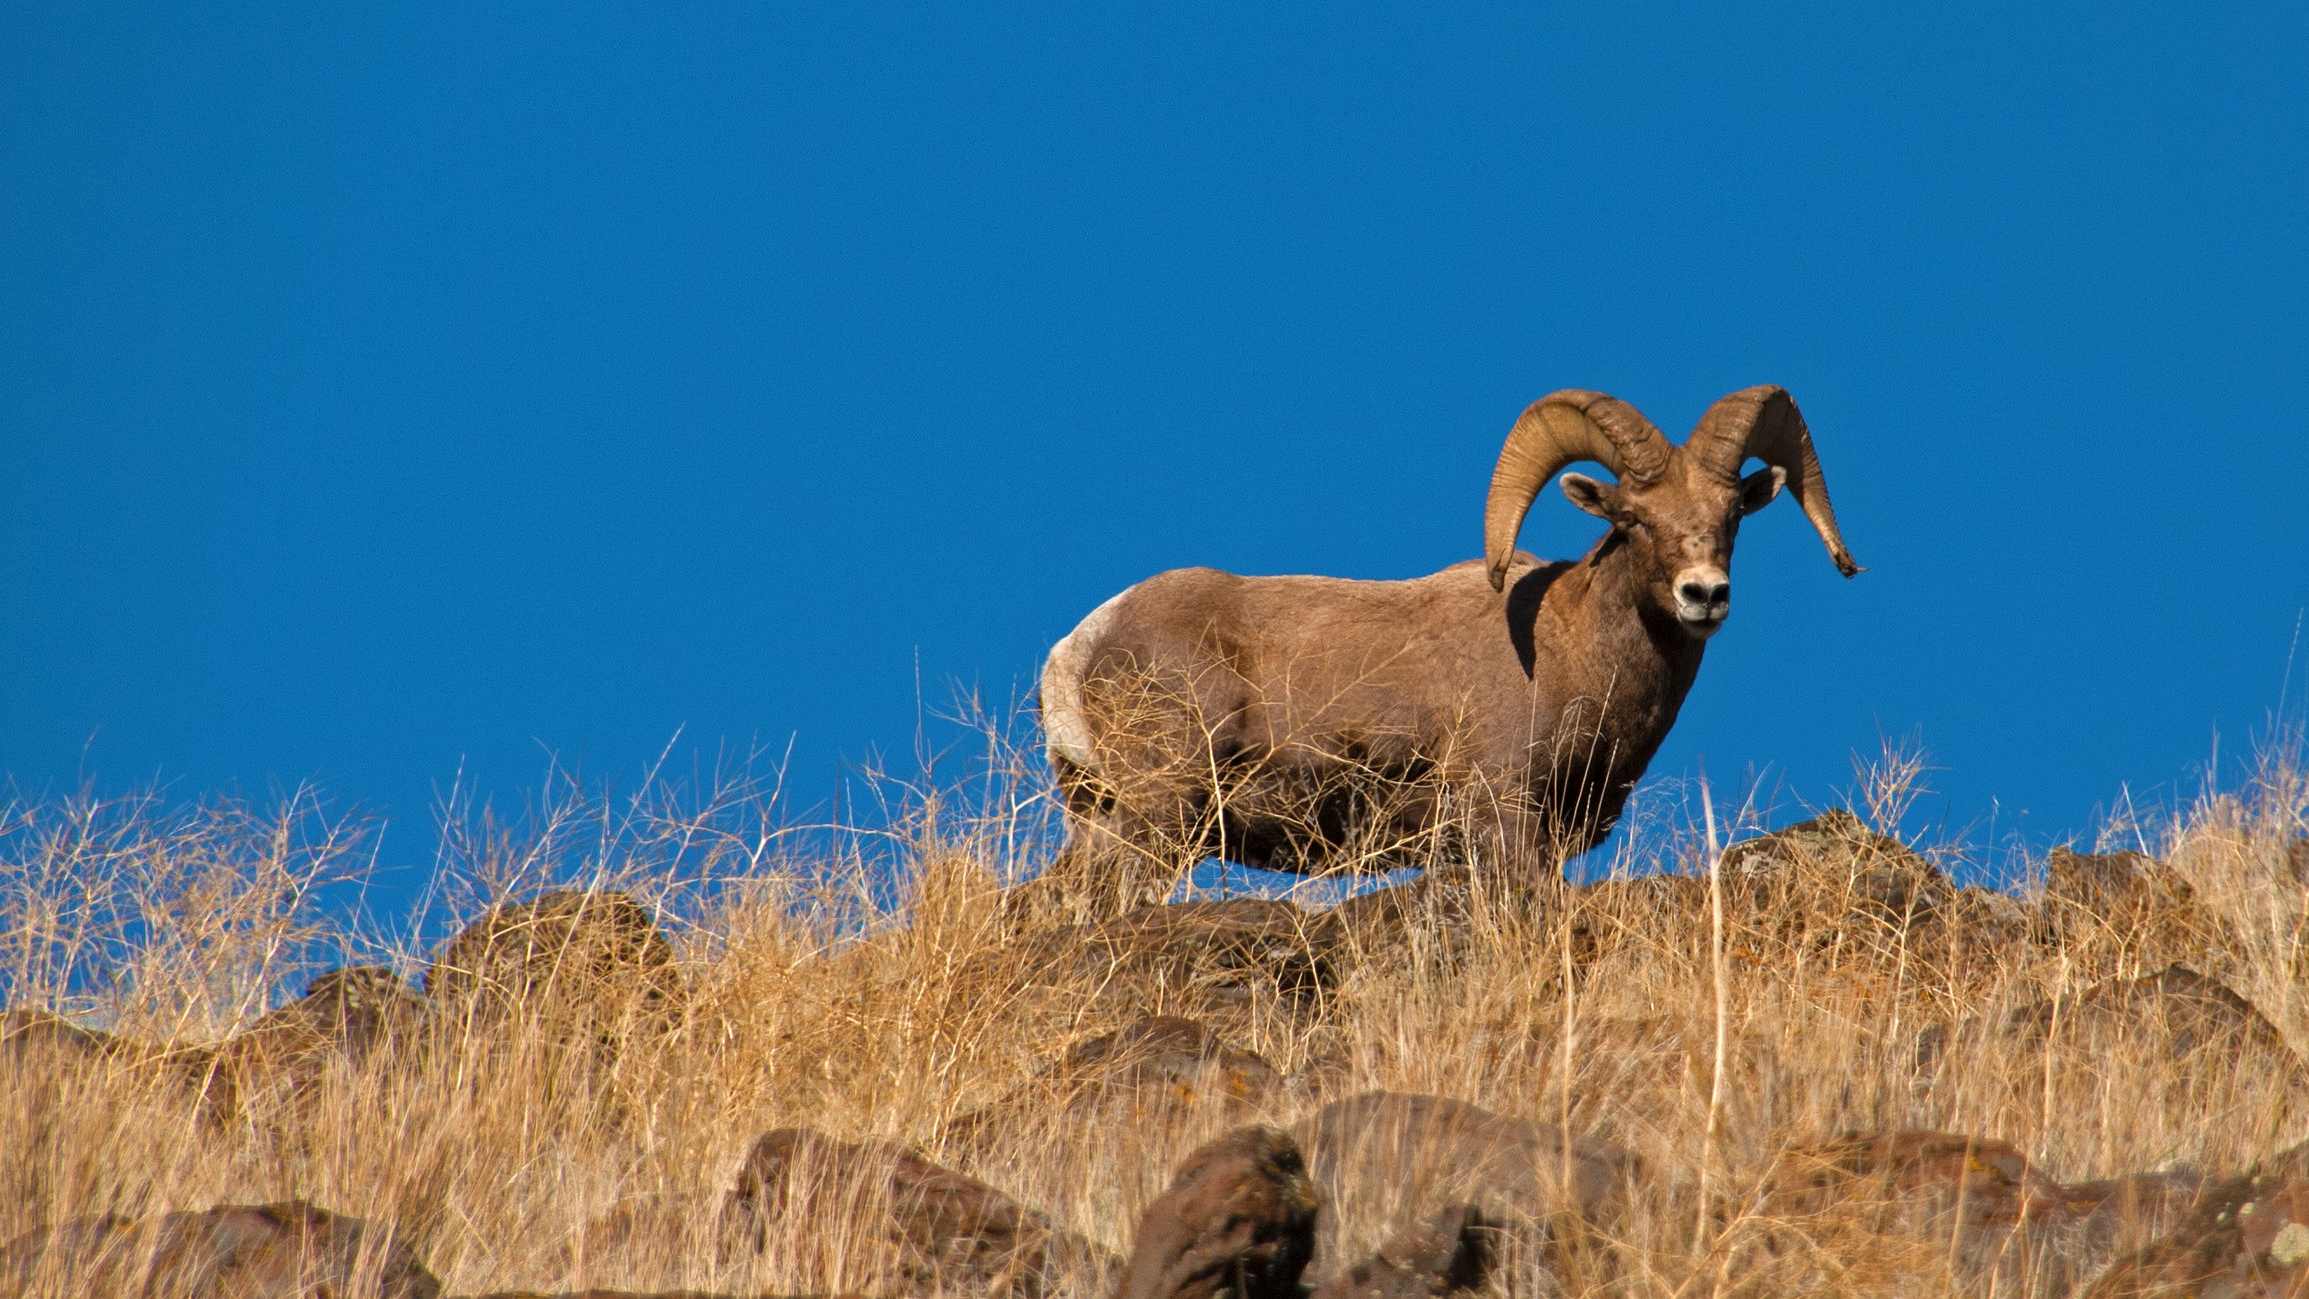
(1703, 600)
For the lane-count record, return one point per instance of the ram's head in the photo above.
(1675, 509)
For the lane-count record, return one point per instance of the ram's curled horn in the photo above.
(1763, 422)
(1555, 431)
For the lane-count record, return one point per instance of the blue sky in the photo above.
(400, 391)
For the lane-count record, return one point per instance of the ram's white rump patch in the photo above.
(1065, 730)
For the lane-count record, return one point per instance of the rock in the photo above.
(1969, 1202)
(931, 1228)
(653, 1226)
(2178, 1011)
(1212, 959)
(1147, 1076)
(1239, 1219)
(1838, 865)
(29, 1035)
(50, 1056)
(2132, 1055)
(352, 1015)
(2121, 908)
(1988, 929)
(2175, 1016)
(358, 1012)
(1433, 912)
(1383, 1161)
(2172, 1043)
(585, 964)
(349, 1014)
(1646, 914)
(1828, 893)
(1623, 1067)
(2122, 1214)
(2008, 1223)
(289, 1250)
(1988, 1182)
(2247, 1237)
(626, 1294)
(1453, 1250)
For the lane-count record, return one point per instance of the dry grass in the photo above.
(875, 986)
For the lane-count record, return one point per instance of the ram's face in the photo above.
(1679, 531)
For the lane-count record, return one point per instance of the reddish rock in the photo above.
(939, 1229)
(289, 1250)
(1238, 1219)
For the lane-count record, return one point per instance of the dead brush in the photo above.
(875, 987)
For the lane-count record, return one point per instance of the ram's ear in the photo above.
(1758, 489)
(1599, 499)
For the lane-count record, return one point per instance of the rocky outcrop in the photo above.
(2121, 909)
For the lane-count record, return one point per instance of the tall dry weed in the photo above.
(881, 985)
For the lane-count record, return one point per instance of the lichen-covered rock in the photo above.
(1837, 864)
(2247, 1239)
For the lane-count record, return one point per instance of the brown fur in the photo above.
(1302, 722)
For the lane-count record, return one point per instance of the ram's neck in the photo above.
(1618, 648)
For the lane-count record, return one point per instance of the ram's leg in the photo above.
(1114, 858)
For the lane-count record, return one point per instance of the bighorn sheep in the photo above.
(1275, 721)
